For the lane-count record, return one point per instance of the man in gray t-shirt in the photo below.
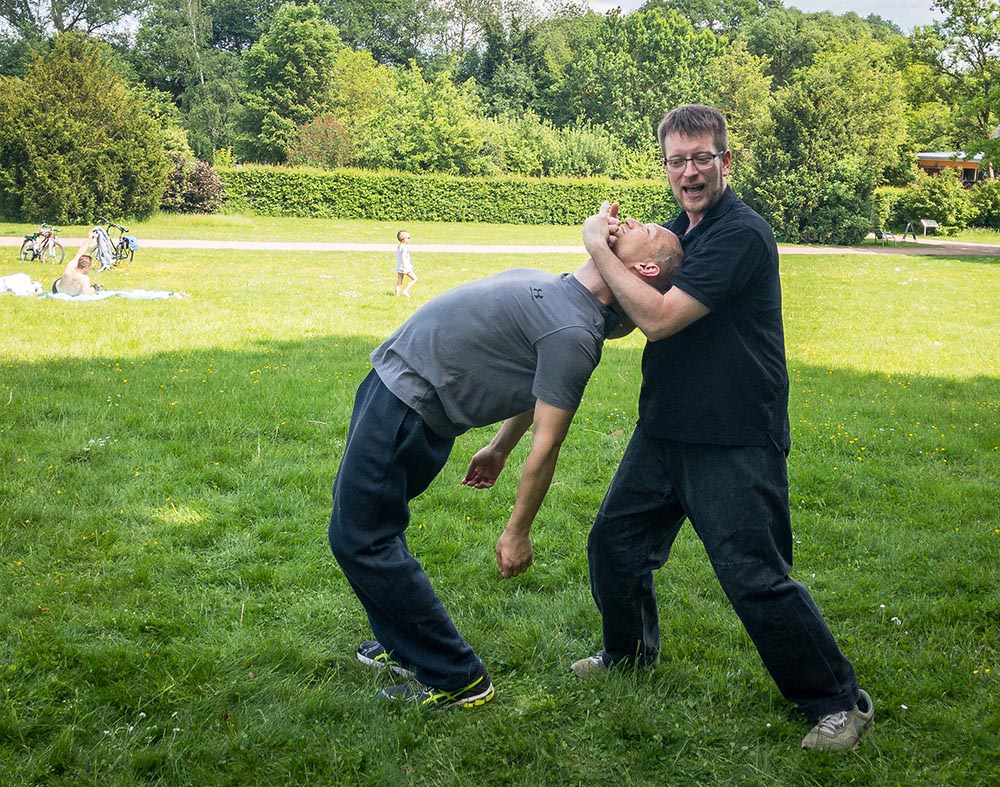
(518, 347)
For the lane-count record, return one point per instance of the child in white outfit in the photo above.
(404, 268)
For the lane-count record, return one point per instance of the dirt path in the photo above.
(934, 246)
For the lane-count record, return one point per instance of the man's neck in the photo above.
(588, 275)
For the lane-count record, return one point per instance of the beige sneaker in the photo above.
(592, 665)
(841, 731)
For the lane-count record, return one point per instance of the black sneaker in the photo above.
(372, 654)
(477, 693)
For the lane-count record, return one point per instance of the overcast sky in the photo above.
(905, 13)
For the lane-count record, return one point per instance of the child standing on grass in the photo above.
(404, 267)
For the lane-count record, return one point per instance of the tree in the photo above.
(791, 39)
(510, 69)
(836, 128)
(735, 82)
(940, 197)
(237, 24)
(35, 19)
(15, 52)
(394, 31)
(721, 15)
(322, 142)
(556, 43)
(632, 69)
(174, 53)
(431, 126)
(76, 140)
(965, 48)
(288, 80)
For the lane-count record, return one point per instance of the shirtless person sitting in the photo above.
(75, 279)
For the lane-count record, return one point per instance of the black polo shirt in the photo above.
(722, 380)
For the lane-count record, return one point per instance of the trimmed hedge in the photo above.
(396, 196)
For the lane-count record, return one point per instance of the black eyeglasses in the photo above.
(703, 161)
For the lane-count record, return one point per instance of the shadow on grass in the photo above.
(174, 615)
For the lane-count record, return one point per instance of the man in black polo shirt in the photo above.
(712, 440)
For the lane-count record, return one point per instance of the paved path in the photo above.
(924, 246)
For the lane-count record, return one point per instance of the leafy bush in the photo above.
(322, 142)
(76, 140)
(192, 187)
(431, 126)
(582, 152)
(940, 197)
(398, 196)
(884, 207)
(986, 200)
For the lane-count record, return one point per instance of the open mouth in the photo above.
(693, 190)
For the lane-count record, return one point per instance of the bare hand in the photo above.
(514, 554)
(484, 469)
(602, 229)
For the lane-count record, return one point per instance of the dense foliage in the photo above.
(76, 140)
(823, 109)
(397, 196)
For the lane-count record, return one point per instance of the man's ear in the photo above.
(648, 269)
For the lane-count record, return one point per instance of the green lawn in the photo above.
(266, 228)
(173, 616)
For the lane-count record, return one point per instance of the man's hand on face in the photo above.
(602, 228)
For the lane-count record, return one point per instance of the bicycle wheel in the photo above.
(27, 251)
(124, 255)
(54, 253)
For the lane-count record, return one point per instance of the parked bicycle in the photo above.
(42, 245)
(120, 249)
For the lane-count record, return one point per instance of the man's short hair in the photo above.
(84, 262)
(668, 257)
(693, 120)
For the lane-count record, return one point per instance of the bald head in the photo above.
(650, 251)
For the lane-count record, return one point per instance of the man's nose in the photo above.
(689, 166)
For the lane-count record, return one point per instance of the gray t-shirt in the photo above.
(485, 351)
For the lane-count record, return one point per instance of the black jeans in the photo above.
(389, 459)
(737, 501)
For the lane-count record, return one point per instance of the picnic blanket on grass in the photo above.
(137, 295)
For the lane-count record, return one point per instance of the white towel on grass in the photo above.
(20, 284)
(137, 295)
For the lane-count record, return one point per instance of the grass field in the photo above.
(172, 614)
(238, 227)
